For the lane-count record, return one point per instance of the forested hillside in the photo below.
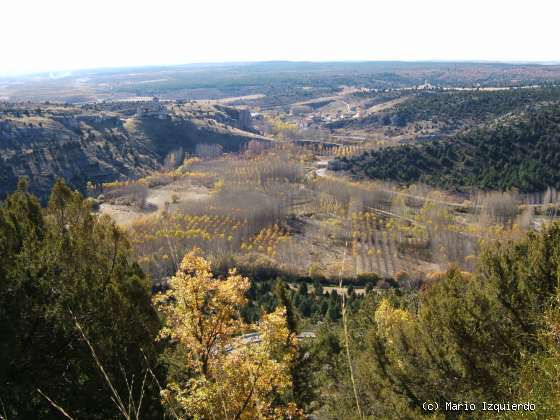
(520, 152)
(470, 106)
(452, 110)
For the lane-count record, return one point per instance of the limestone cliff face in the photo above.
(82, 144)
(75, 151)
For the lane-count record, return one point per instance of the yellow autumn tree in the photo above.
(223, 374)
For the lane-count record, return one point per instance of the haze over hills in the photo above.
(213, 81)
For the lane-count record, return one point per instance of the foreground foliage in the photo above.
(219, 374)
(58, 267)
(71, 301)
(488, 336)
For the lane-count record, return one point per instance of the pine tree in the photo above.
(59, 266)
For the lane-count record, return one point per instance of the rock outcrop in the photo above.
(99, 143)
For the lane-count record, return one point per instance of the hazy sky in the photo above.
(41, 35)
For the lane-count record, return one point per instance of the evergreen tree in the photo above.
(484, 336)
(61, 267)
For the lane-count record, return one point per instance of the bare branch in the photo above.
(55, 405)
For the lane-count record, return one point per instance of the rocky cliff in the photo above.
(102, 142)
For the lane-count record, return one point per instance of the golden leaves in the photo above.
(229, 375)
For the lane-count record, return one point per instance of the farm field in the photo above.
(276, 205)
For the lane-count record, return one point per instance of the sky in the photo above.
(58, 35)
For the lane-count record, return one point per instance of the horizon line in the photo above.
(61, 72)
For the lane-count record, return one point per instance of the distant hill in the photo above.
(104, 142)
(452, 110)
(521, 151)
(280, 82)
